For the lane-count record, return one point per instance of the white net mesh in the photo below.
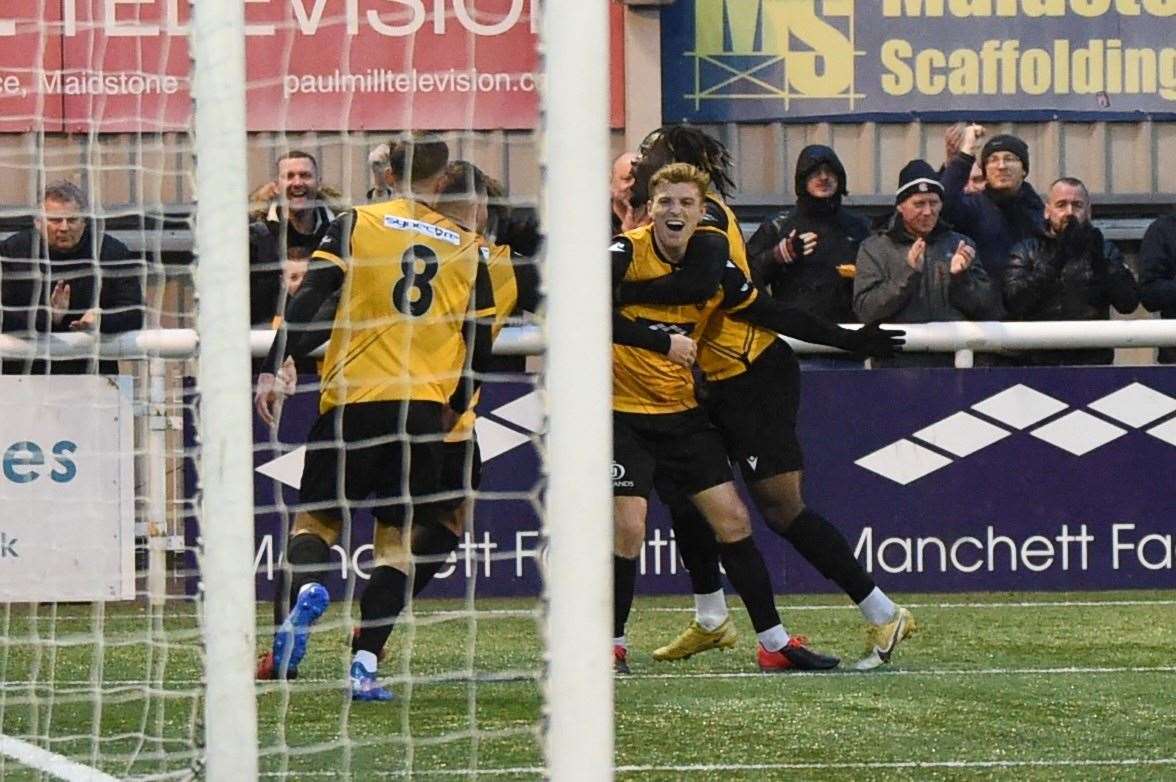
(101, 652)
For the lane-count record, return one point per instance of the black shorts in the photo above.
(680, 448)
(387, 465)
(756, 414)
(461, 471)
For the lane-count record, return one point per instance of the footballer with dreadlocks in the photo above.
(752, 396)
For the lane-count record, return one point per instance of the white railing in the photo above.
(959, 337)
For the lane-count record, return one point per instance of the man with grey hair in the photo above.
(65, 274)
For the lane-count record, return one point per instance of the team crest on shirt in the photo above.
(397, 223)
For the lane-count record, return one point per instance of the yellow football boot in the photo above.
(881, 640)
(696, 638)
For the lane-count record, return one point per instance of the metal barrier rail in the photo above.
(960, 337)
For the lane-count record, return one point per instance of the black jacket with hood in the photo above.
(811, 282)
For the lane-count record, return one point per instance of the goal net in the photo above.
(178, 602)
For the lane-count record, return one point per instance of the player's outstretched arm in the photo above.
(743, 302)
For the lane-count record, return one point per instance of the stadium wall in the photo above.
(1122, 162)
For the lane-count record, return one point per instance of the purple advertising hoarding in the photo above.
(941, 479)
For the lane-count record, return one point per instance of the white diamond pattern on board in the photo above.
(526, 411)
(903, 461)
(961, 434)
(1135, 405)
(287, 468)
(495, 439)
(1165, 431)
(1078, 432)
(1019, 406)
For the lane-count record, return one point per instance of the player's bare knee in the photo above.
(731, 524)
(320, 525)
(630, 535)
(779, 500)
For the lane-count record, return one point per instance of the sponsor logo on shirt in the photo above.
(418, 226)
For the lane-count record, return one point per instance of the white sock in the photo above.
(620, 641)
(877, 608)
(774, 638)
(367, 660)
(710, 610)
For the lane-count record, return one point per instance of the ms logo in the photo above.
(774, 49)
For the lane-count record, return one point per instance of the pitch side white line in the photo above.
(531, 613)
(937, 672)
(704, 768)
(50, 763)
(530, 678)
(1022, 604)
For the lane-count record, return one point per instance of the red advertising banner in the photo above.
(123, 65)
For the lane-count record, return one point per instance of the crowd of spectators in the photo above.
(972, 240)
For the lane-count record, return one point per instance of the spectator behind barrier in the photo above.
(625, 216)
(296, 217)
(378, 166)
(952, 138)
(918, 270)
(66, 274)
(804, 256)
(1007, 211)
(1157, 274)
(1068, 272)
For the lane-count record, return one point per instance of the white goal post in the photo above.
(578, 691)
(226, 470)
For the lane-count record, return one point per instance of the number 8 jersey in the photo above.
(410, 283)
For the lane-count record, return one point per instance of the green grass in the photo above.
(992, 687)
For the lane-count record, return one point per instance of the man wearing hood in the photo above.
(1007, 211)
(66, 274)
(919, 270)
(805, 255)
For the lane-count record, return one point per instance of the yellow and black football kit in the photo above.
(409, 277)
(415, 293)
(516, 289)
(657, 425)
(729, 346)
(754, 390)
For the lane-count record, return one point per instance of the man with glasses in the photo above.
(1007, 211)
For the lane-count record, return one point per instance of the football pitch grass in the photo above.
(993, 686)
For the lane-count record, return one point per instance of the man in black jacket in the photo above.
(65, 274)
(805, 255)
(1068, 271)
(1007, 211)
(298, 218)
(1157, 273)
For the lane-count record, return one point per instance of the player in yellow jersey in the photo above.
(753, 398)
(411, 331)
(462, 196)
(660, 433)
